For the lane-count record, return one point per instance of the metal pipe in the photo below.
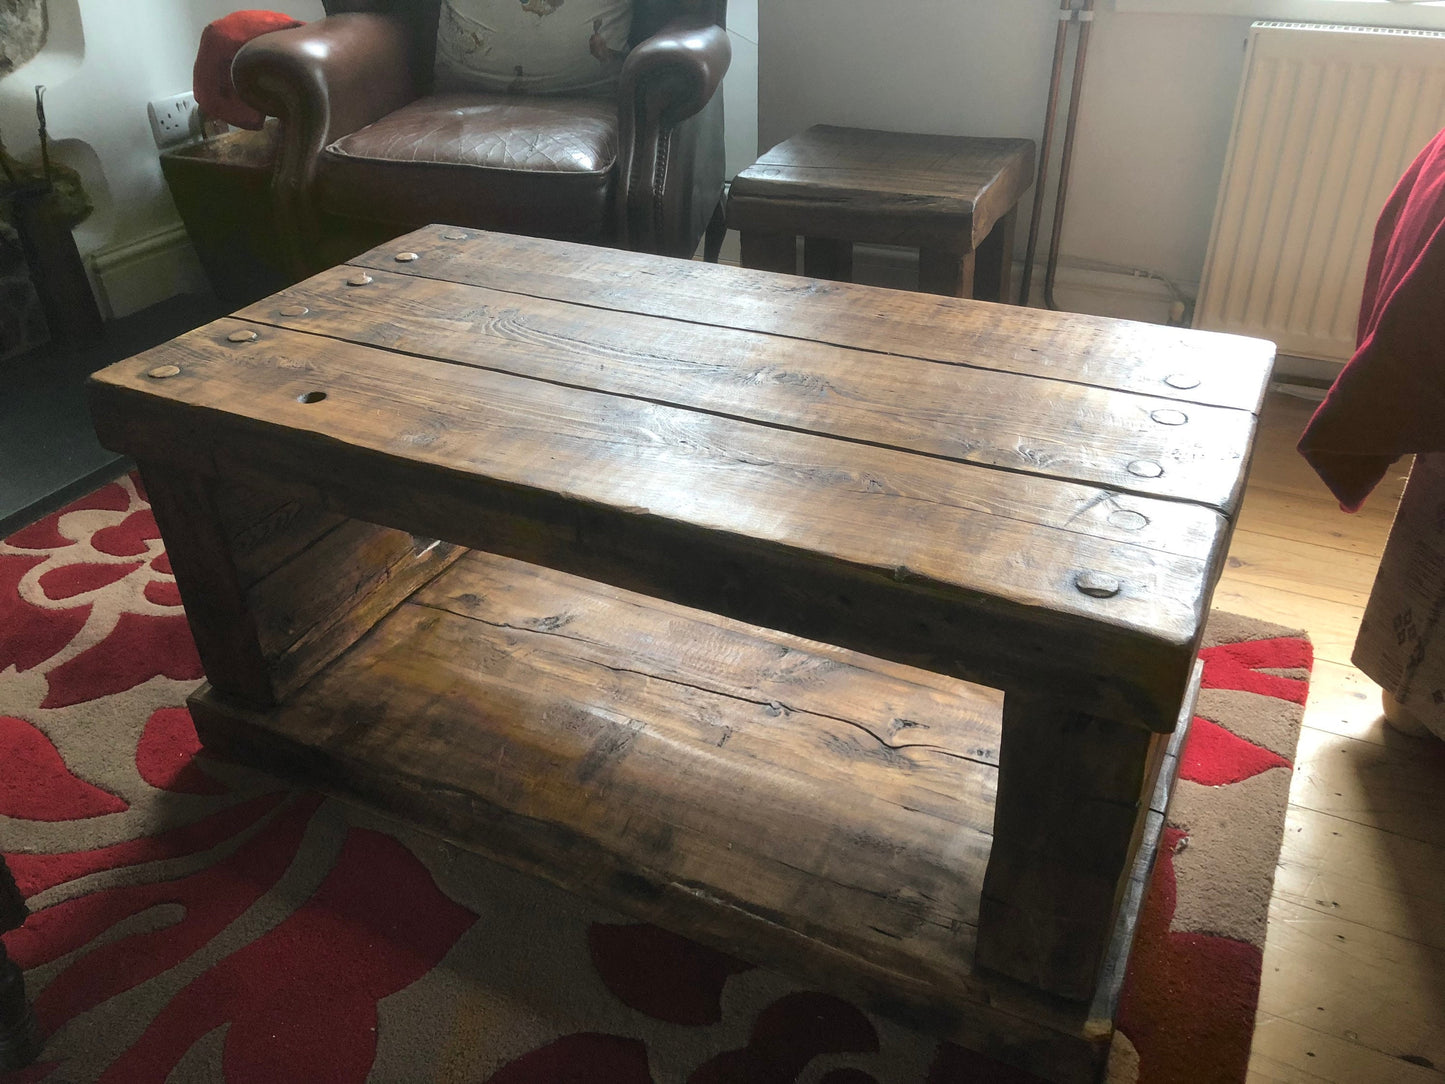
(1066, 15)
(1086, 23)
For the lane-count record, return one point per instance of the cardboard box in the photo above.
(1401, 643)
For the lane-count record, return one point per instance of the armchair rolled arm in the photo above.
(667, 81)
(323, 80)
(674, 73)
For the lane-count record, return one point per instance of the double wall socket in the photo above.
(175, 120)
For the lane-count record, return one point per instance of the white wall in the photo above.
(104, 61)
(740, 86)
(1157, 105)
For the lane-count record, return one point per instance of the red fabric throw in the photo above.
(211, 79)
(1389, 400)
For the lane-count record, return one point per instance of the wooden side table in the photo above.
(222, 189)
(954, 198)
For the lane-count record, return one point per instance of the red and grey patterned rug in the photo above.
(193, 920)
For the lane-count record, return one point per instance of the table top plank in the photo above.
(394, 429)
(1147, 359)
(1126, 442)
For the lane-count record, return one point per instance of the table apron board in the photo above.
(347, 547)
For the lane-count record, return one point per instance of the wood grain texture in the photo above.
(1335, 1010)
(276, 586)
(1069, 347)
(883, 187)
(1074, 795)
(532, 714)
(557, 474)
(931, 481)
(1026, 424)
(316, 604)
(644, 754)
(219, 615)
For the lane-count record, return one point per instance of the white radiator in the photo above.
(1328, 118)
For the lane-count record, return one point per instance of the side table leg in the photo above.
(828, 258)
(993, 277)
(769, 251)
(1073, 796)
(945, 273)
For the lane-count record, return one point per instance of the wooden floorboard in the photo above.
(1354, 971)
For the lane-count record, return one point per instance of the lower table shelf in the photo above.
(794, 803)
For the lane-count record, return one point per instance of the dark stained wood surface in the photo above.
(1069, 819)
(892, 188)
(1069, 431)
(629, 749)
(1035, 501)
(665, 748)
(389, 441)
(274, 586)
(1149, 359)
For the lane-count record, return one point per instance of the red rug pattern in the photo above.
(196, 920)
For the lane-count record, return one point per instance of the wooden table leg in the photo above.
(945, 273)
(314, 582)
(828, 258)
(19, 1036)
(1073, 795)
(993, 277)
(217, 610)
(769, 251)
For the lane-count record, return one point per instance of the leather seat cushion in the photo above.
(542, 166)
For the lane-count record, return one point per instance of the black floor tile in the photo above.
(48, 451)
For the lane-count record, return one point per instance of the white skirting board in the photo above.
(145, 271)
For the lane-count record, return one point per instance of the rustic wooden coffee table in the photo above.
(935, 491)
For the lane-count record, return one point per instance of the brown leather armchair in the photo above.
(369, 151)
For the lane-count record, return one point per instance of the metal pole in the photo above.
(1066, 15)
(1086, 23)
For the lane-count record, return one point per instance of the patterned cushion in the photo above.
(532, 46)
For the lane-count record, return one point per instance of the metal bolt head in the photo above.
(1145, 468)
(295, 310)
(1126, 519)
(454, 235)
(406, 257)
(243, 336)
(1097, 584)
(1182, 381)
(1170, 417)
(361, 278)
(160, 372)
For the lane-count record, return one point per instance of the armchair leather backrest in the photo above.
(648, 17)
